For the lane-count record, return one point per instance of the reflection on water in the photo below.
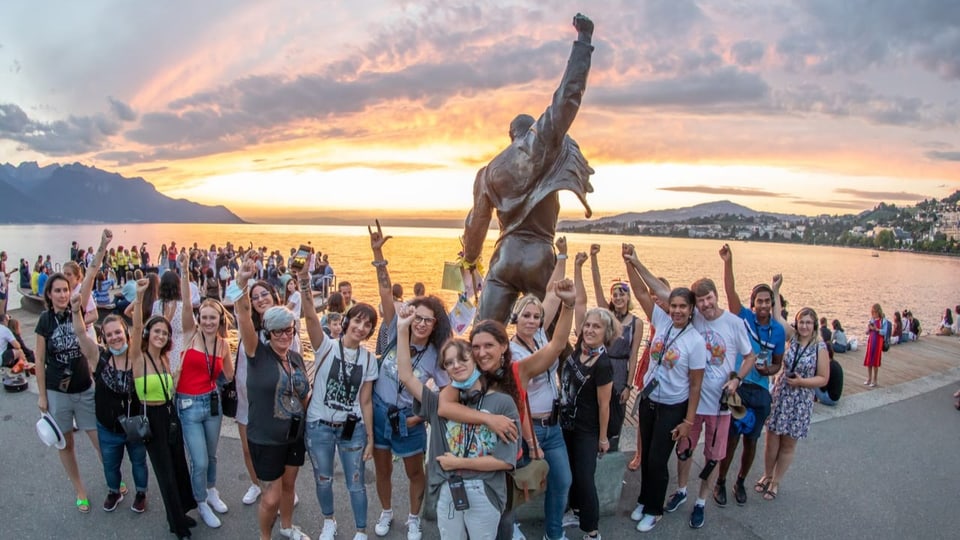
(838, 282)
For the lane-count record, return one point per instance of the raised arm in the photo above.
(404, 365)
(188, 323)
(729, 287)
(248, 334)
(377, 240)
(595, 273)
(450, 408)
(778, 307)
(87, 287)
(136, 336)
(314, 329)
(87, 346)
(642, 293)
(543, 358)
(550, 301)
(580, 305)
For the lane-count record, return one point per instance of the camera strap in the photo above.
(473, 428)
(796, 356)
(416, 362)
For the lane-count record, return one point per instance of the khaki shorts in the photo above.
(65, 408)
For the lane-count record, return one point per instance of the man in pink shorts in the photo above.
(725, 337)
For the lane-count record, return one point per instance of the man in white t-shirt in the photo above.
(725, 337)
(9, 347)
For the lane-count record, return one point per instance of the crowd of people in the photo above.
(494, 402)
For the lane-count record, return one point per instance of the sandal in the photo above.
(635, 462)
(83, 505)
(761, 485)
(770, 493)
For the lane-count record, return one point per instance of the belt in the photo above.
(331, 424)
(544, 421)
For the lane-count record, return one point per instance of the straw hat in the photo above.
(736, 406)
(49, 432)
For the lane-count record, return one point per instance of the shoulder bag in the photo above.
(530, 480)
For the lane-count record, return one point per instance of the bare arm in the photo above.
(634, 357)
(366, 409)
(136, 336)
(822, 375)
(603, 401)
(188, 323)
(683, 428)
(451, 409)
(550, 302)
(580, 305)
(87, 346)
(377, 240)
(450, 462)
(642, 293)
(314, 329)
(778, 307)
(595, 273)
(729, 287)
(404, 365)
(91, 276)
(542, 359)
(41, 356)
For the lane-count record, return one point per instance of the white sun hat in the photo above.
(49, 432)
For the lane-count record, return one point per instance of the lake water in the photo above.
(839, 283)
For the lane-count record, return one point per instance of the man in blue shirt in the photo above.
(768, 338)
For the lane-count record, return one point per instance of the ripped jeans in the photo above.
(322, 442)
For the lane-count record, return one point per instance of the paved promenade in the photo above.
(883, 464)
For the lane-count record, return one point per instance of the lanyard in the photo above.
(764, 344)
(346, 381)
(162, 376)
(667, 342)
(797, 357)
(473, 431)
(206, 354)
(290, 389)
(414, 369)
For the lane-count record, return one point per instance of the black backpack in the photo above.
(834, 387)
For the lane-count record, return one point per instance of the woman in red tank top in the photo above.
(206, 355)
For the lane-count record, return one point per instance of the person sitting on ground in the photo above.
(10, 350)
(897, 334)
(14, 326)
(946, 324)
(840, 344)
(101, 289)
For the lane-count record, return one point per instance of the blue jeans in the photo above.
(111, 450)
(201, 434)
(322, 442)
(824, 398)
(558, 479)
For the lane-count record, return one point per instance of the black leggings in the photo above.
(170, 467)
(656, 423)
(582, 449)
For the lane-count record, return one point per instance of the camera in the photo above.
(649, 388)
(300, 258)
(458, 492)
(65, 380)
(393, 415)
(173, 429)
(555, 412)
(349, 426)
(294, 430)
(214, 403)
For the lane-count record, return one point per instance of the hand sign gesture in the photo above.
(377, 239)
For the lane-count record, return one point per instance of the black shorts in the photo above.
(270, 461)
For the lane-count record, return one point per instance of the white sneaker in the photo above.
(329, 529)
(570, 520)
(253, 492)
(648, 523)
(517, 533)
(383, 524)
(637, 513)
(215, 502)
(207, 515)
(414, 531)
(360, 536)
(296, 499)
(293, 533)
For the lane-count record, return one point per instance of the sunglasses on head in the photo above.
(622, 286)
(288, 331)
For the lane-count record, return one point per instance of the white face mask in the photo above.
(118, 352)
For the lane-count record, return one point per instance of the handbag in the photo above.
(229, 400)
(137, 427)
(530, 480)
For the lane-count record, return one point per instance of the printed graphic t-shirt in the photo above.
(337, 383)
(673, 353)
(724, 338)
(65, 368)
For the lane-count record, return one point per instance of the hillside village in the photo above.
(930, 226)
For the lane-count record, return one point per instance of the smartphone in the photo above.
(458, 492)
(300, 258)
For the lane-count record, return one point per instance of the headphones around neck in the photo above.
(472, 397)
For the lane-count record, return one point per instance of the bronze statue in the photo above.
(522, 183)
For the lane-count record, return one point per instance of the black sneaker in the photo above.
(675, 501)
(111, 502)
(139, 503)
(740, 492)
(696, 517)
(720, 493)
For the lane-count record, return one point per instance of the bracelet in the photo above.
(685, 421)
(569, 306)
(379, 264)
(562, 257)
(738, 377)
(604, 441)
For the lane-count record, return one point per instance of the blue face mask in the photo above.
(464, 385)
(118, 352)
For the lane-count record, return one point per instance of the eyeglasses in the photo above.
(288, 331)
(260, 296)
(447, 364)
(417, 319)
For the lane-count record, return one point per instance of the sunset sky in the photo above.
(295, 108)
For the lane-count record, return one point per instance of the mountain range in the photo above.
(681, 214)
(77, 193)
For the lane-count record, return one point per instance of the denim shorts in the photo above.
(402, 445)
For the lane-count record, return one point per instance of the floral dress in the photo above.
(792, 406)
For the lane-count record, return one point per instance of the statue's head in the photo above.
(520, 125)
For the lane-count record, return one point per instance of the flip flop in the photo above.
(770, 493)
(83, 505)
(761, 485)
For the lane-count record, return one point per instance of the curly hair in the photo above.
(502, 379)
(254, 314)
(442, 331)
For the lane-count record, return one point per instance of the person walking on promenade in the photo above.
(806, 366)
(767, 338)
(875, 340)
(63, 376)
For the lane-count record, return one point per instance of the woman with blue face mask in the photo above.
(114, 397)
